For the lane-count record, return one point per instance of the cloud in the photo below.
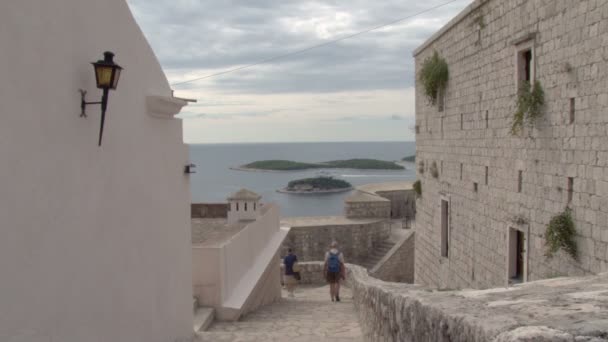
(334, 86)
(215, 35)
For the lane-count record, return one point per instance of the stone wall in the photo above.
(479, 160)
(403, 203)
(380, 209)
(209, 210)
(312, 273)
(538, 311)
(356, 238)
(398, 264)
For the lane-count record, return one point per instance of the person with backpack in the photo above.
(334, 270)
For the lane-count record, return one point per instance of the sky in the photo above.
(359, 89)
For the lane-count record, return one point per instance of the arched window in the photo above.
(237, 206)
(245, 206)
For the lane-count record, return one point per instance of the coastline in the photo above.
(314, 192)
(246, 169)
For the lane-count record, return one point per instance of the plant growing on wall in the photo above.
(434, 170)
(530, 102)
(560, 234)
(418, 188)
(434, 76)
(421, 167)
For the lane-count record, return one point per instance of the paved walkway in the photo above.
(311, 316)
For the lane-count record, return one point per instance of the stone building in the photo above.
(488, 195)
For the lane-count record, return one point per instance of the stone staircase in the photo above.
(203, 316)
(377, 254)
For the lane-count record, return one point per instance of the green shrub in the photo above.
(322, 183)
(561, 233)
(418, 188)
(434, 170)
(530, 102)
(434, 76)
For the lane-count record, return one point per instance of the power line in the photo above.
(264, 61)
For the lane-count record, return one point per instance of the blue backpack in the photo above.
(333, 263)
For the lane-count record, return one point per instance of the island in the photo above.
(411, 159)
(316, 185)
(288, 165)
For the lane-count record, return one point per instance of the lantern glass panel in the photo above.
(117, 71)
(104, 76)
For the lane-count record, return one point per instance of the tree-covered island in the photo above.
(288, 165)
(317, 185)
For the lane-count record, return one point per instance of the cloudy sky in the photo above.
(359, 89)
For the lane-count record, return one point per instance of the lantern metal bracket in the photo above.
(83, 103)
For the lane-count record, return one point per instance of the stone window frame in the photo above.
(525, 229)
(525, 43)
(447, 198)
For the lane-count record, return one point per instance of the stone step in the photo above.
(203, 318)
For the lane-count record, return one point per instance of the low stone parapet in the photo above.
(561, 309)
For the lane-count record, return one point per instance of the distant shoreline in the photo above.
(314, 192)
(247, 169)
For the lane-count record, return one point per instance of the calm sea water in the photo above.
(214, 179)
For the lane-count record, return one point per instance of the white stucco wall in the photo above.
(94, 241)
(227, 276)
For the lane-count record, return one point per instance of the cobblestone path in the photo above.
(311, 316)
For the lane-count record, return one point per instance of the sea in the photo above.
(214, 179)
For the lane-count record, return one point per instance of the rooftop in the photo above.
(324, 221)
(214, 231)
(360, 196)
(387, 186)
(245, 195)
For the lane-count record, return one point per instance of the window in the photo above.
(572, 109)
(487, 175)
(460, 171)
(245, 206)
(525, 62)
(445, 215)
(442, 167)
(487, 119)
(461, 121)
(255, 206)
(517, 256)
(417, 129)
(475, 187)
(520, 178)
(570, 189)
(526, 65)
(237, 206)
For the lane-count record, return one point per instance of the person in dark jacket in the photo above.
(290, 277)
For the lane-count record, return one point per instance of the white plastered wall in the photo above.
(94, 241)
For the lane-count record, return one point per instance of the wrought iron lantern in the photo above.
(107, 74)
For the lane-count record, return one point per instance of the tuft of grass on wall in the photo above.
(418, 188)
(434, 76)
(560, 234)
(434, 170)
(530, 103)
